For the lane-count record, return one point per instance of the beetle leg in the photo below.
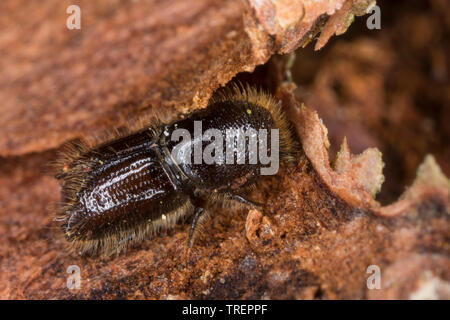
(197, 213)
(241, 199)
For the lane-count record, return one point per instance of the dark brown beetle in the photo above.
(126, 189)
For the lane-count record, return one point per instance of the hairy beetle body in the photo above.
(123, 190)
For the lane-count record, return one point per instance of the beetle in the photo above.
(125, 189)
